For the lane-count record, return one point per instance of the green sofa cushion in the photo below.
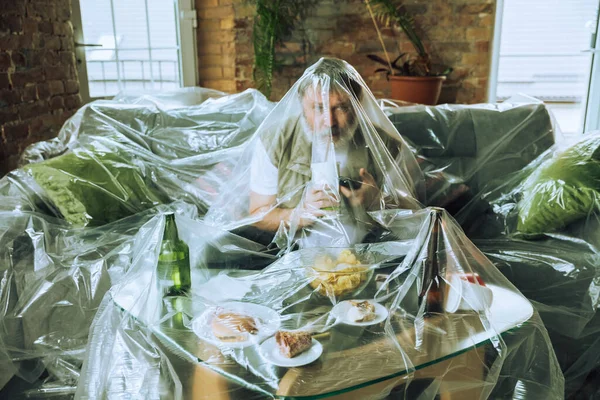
(561, 190)
(93, 187)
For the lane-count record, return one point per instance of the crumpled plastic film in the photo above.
(446, 320)
(81, 224)
(116, 158)
(53, 280)
(540, 228)
(112, 160)
(321, 161)
(464, 148)
(484, 163)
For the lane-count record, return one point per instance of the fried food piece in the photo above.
(293, 343)
(338, 277)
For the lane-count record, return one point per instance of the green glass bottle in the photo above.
(173, 262)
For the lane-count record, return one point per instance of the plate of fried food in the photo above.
(291, 349)
(236, 324)
(359, 312)
(339, 275)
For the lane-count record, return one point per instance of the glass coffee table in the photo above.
(356, 363)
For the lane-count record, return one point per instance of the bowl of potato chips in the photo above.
(339, 275)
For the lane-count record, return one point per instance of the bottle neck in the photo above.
(170, 228)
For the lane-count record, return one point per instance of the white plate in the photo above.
(340, 312)
(270, 352)
(268, 322)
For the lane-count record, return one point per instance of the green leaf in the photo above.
(392, 10)
(274, 22)
(394, 65)
(377, 59)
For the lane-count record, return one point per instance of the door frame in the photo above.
(592, 110)
(590, 106)
(80, 63)
(186, 39)
(495, 59)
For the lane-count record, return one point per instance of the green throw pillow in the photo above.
(95, 187)
(562, 190)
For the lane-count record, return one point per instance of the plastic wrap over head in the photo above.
(323, 159)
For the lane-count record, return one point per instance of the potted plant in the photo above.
(273, 23)
(412, 77)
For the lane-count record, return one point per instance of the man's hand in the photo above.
(366, 195)
(314, 205)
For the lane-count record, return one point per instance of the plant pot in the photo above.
(417, 89)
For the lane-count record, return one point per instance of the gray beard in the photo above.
(325, 135)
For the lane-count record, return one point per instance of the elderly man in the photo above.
(329, 163)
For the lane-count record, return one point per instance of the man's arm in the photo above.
(263, 189)
(305, 214)
(261, 204)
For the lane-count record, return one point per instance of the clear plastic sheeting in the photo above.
(116, 158)
(444, 319)
(464, 148)
(65, 216)
(529, 204)
(321, 162)
(143, 117)
(316, 271)
(54, 278)
(540, 228)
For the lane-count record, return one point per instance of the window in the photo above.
(135, 45)
(542, 53)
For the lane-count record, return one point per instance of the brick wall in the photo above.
(216, 48)
(39, 88)
(458, 33)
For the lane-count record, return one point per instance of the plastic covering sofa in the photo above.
(61, 252)
(555, 267)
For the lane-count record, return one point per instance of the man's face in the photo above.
(335, 114)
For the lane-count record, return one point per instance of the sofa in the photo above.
(490, 151)
(468, 154)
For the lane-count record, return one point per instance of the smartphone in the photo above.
(350, 183)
